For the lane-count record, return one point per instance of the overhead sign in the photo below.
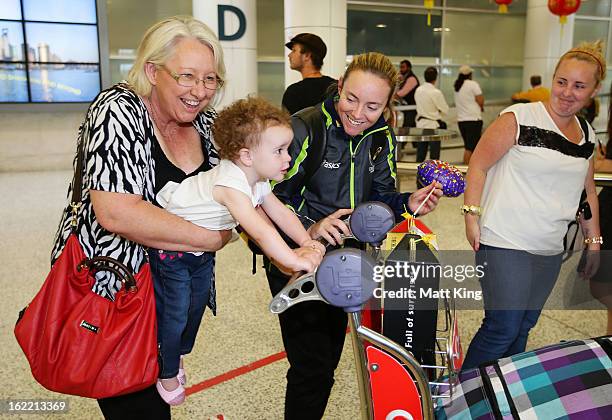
(242, 23)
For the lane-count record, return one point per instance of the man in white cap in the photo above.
(306, 56)
(469, 103)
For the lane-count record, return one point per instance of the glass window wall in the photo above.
(595, 8)
(514, 7)
(463, 42)
(128, 21)
(270, 29)
(496, 83)
(587, 30)
(454, 38)
(269, 74)
(437, 3)
(396, 34)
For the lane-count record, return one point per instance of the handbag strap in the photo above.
(110, 264)
(77, 185)
(100, 263)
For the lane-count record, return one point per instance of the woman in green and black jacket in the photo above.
(343, 154)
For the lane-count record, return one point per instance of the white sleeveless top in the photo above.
(193, 200)
(533, 191)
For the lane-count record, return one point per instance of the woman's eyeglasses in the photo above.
(189, 80)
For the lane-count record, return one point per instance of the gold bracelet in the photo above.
(475, 210)
(594, 240)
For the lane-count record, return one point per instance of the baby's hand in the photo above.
(311, 243)
(304, 264)
(309, 256)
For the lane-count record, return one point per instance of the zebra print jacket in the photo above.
(117, 135)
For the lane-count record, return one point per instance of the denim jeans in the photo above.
(182, 284)
(515, 287)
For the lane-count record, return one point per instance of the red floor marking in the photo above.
(208, 383)
(235, 372)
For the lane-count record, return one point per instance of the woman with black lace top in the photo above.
(523, 188)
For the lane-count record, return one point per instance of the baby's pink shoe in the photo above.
(174, 397)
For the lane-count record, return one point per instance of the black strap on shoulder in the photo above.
(77, 181)
(315, 126)
(585, 128)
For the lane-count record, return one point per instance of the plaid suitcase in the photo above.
(568, 380)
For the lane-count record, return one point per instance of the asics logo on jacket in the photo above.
(330, 165)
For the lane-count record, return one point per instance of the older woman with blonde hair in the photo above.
(524, 185)
(137, 136)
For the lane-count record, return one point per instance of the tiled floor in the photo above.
(243, 333)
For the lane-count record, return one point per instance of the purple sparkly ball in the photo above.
(450, 177)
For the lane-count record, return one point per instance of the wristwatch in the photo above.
(475, 210)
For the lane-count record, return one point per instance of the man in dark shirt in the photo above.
(405, 93)
(306, 56)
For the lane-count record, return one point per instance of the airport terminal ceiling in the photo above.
(498, 61)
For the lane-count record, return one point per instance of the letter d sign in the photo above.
(221, 9)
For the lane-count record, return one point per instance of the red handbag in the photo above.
(78, 342)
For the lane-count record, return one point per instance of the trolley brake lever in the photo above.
(300, 288)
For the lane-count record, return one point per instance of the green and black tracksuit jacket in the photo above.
(349, 171)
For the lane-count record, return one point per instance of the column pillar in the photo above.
(235, 23)
(325, 18)
(545, 41)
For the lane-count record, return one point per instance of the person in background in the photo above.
(470, 104)
(601, 283)
(524, 184)
(590, 111)
(431, 105)
(306, 56)
(352, 172)
(537, 93)
(405, 93)
(136, 137)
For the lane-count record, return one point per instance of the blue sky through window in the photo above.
(10, 9)
(78, 11)
(60, 39)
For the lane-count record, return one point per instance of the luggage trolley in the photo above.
(345, 279)
(569, 380)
